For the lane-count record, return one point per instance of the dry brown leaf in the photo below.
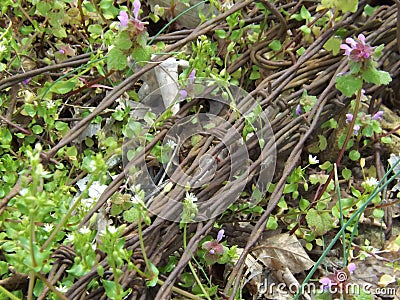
(287, 250)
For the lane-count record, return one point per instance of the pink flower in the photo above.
(214, 248)
(349, 118)
(123, 19)
(378, 115)
(358, 50)
(136, 9)
(326, 283)
(351, 268)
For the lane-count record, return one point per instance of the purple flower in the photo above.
(298, 110)
(192, 76)
(26, 81)
(214, 248)
(123, 19)
(183, 94)
(61, 51)
(378, 115)
(220, 235)
(349, 118)
(136, 9)
(351, 267)
(356, 129)
(358, 50)
(326, 283)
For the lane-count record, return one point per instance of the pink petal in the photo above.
(346, 49)
(361, 38)
(136, 8)
(351, 42)
(351, 267)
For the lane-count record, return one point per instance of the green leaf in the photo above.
(346, 173)
(123, 41)
(116, 59)
(304, 204)
(333, 45)
(95, 29)
(275, 45)
(272, 224)
(369, 10)
(354, 155)
(30, 109)
(220, 33)
(378, 213)
(375, 76)
(347, 5)
(142, 54)
(62, 87)
(111, 289)
(348, 84)
(319, 222)
(37, 129)
(155, 272)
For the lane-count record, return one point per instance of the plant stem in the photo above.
(141, 242)
(192, 268)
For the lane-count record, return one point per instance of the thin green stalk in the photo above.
(353, 217)
(192, 268)
(141, 242)
(8, 294)
(31, 284)
(341, 215)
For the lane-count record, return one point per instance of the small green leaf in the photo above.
(348, 84)
(220, 33)
(155, 272)
(275, 45)
(386, 140)
(123, 41)
(354, 155)
(346, 173)
(319, 222)
(272, 224)
(37, 129)
(333, 45)
(116, 59)
(326, 165)
(142, 54)
(62, 87)
(375, 76)
(304, 204)
(378, 213)
(95, 29)
(347, 5)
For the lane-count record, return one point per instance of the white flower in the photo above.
(191, 197)
(62, 289)
(312, 159)
(50, 104)
(70, 237)
(48, 227)
(112, 229)
(2, 48)
(371, 182)
(171, 144)
(136, 199)
(84, 230)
